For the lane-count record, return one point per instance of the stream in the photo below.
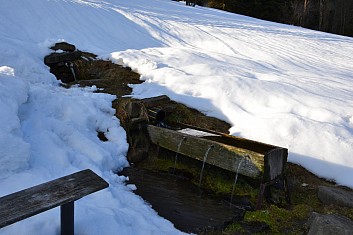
(181, 202)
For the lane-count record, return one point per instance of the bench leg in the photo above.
(67, 219)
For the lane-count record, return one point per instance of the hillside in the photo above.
(274, 83)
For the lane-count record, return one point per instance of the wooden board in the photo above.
(221, 155)
(236, 141)
(37, 199)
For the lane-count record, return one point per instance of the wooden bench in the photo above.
(61, 192)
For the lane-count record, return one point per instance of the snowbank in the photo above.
(278, 84)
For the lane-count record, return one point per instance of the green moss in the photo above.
(235, 228)
(214, 180)
(332, 209)
(186, 115)
(281, 220)
(181, 114)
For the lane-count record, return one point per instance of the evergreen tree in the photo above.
(334, 16)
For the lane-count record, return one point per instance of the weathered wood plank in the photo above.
(37, 199)
(275, 158)
(275, 161)
(236, 141)
(221, 155)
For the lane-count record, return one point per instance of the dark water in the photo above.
(182, 203)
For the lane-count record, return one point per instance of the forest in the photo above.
(332, 16)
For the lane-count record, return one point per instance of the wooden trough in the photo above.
(249, 158)
(253, 159)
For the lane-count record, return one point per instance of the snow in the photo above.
(197, 133)
(274, 83)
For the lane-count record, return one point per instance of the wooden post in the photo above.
(67, 218)
(155, 101)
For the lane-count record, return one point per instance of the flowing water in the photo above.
(177, 152)
(181, 202)
(203, 164)
(235, 179)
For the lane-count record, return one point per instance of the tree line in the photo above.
(333, 16)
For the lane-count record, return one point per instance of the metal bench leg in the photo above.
(67, 219)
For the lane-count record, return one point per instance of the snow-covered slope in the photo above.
(278, 84)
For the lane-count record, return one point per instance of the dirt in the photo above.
(111, 78)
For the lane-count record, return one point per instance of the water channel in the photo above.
(183, 203)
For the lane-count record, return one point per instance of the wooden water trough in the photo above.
(249, 158)
(253, 159)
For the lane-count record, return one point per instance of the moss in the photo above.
(186, 115)
(218, 183)
(235, 228)
(332, 209)
(281, 220)
(181, 114)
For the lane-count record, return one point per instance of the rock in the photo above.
(66, 72)
(329, 224)
(334, 195)
(55, 58)
(63, 46)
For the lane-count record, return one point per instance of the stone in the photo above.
(329, 224)
(336, 196)
(55, 58)
(63, 46)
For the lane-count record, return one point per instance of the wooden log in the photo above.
(40, 198)
(155, 101)
(55, 57)
(221, 155)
